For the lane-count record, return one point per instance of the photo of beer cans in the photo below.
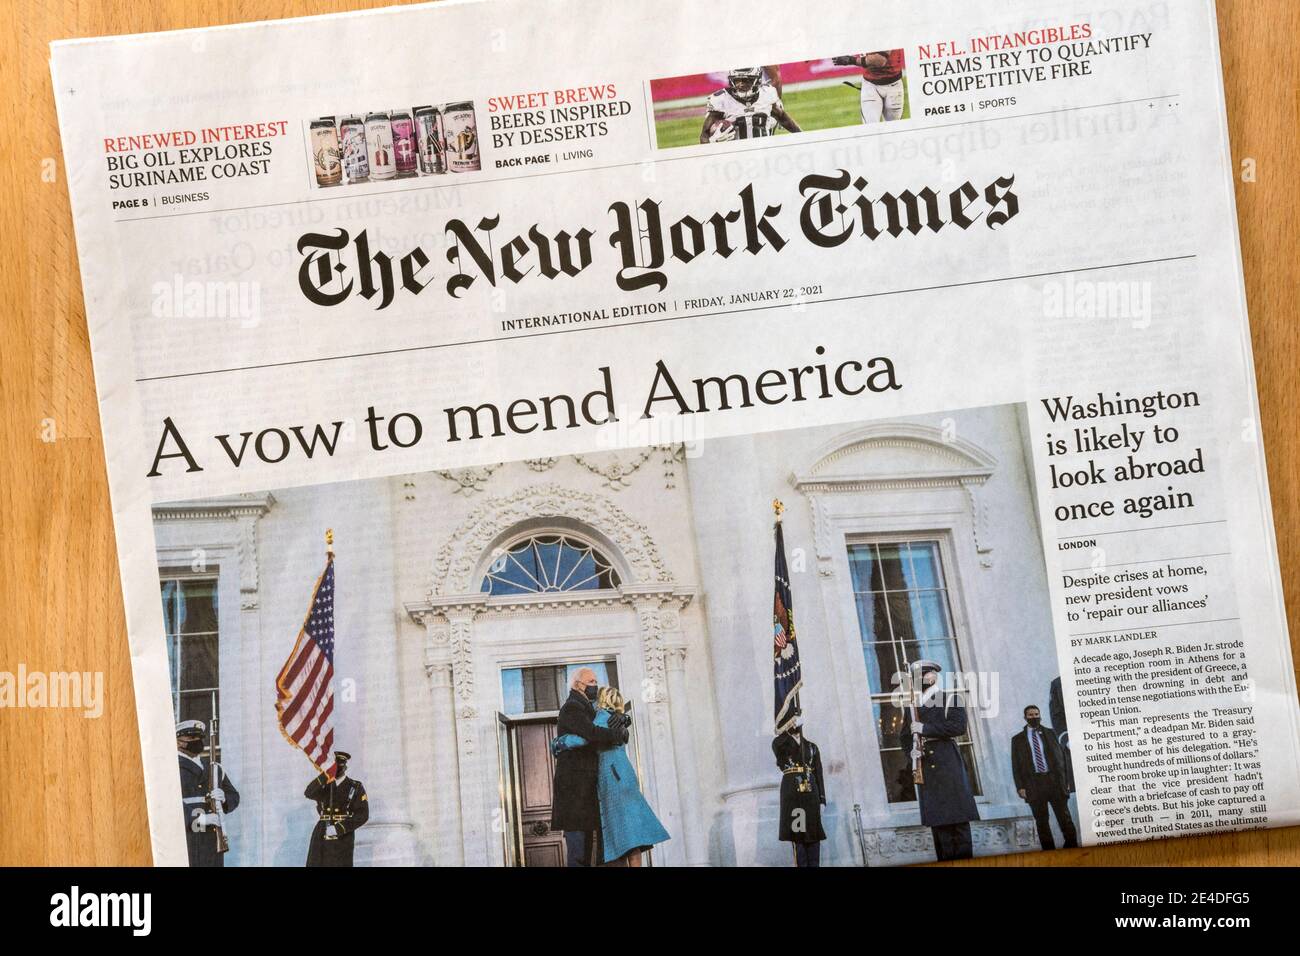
(403, 143)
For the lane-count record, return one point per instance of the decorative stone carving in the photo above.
(245, 510)
(893, 845)
(439, 674)
(614, 467)
(617, 467)
(928, 458)
(540, 464)
(437, 656)
(462, 656)
(979, 514)
(466, 735)
(652, 649)
(931, 459)
(672, 456)
(459, 558)
(822, 536)
(469, 480)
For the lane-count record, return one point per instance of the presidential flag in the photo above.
(786, 672)
(304, 702)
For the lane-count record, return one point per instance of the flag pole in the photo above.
(778, 506)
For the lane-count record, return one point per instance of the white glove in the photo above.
(205, 820)
(918, 727)
(219, 796)
(331, 832)
(723, 134)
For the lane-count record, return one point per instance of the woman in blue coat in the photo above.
(627, 824)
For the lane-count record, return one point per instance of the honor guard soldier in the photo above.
(947, 802)
(803, 793)
(343, 808)
(207, 795)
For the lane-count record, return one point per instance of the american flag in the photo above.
(304, 702)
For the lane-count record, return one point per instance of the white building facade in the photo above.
(465, 599)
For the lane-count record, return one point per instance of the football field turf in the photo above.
(826, 107)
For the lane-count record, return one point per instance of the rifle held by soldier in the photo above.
(215, 800)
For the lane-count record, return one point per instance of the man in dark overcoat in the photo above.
(199, 796)
(575, 808)
(946, 798)
(343, 807)
(803, 793)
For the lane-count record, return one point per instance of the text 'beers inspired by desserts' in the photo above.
(399, 144)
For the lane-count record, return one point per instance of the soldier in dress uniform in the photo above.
(945, 795)
(803, 792)
(343, 808)
(204, 838)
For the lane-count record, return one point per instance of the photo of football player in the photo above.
(760, 101)
(746, 108)
(882, 92)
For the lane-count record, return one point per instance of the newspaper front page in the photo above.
(731, 434)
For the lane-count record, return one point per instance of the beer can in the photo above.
(460, 133)
(428, 137)
(325, 152)
(403, 142)
(379, 147)
(356, 164)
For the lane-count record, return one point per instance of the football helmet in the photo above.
(743, 83)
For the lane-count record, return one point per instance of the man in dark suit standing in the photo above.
(574, 805)
(1038, 766)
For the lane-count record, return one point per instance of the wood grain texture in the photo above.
(71, 789)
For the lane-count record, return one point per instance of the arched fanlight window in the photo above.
(549, 564)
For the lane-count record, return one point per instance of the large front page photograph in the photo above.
(911, 648)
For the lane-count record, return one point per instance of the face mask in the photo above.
(1034, 721)
(192, 746)
(592, 692)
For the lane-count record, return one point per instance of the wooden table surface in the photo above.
(71, 789)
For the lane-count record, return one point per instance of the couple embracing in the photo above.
(597, 799)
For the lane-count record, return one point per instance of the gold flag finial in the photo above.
(329, 541)
(778, 508)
